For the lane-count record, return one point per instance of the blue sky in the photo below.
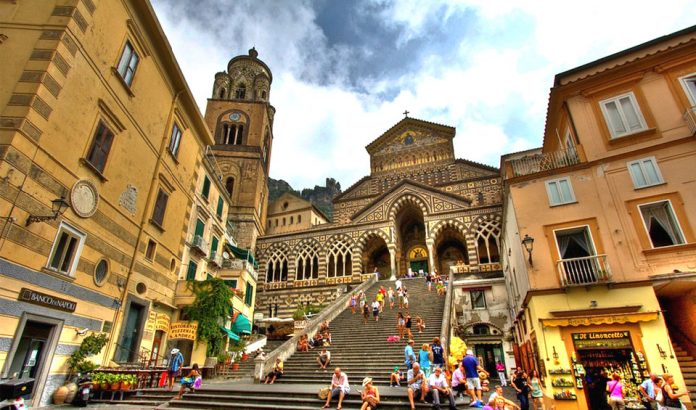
(344, 71)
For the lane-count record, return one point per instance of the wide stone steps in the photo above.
(688, 368)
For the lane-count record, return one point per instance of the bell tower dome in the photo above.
(240, 116)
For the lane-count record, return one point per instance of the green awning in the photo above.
(243, 254)
(242, 325)
(229, 333)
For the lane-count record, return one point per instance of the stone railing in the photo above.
(238, 264)
(258, 342)
(287, 349)
(531, 164)
(587, 270)
(448, 315)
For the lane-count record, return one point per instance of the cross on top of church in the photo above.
(406, 113)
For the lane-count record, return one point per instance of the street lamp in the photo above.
(528, 243)
(58, 206)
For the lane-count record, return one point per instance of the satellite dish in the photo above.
(225, 255)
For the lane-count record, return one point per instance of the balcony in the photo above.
(690, 118)
(539, 162)
(198, 244)
(588, 270)
(239, 265)
(215, 259)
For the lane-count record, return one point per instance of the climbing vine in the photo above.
(212, 305)
(91, 345)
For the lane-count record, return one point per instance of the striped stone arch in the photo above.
(338, 256)
(337, 237)
(441, 225)
(409, 198)
(485, 222)
(277, 254)
(307, 256)
(485, 233)
(365, 237)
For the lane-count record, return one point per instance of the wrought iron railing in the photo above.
(587, 270)
(531, 164)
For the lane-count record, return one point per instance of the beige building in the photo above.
(290, 213)
(93, 109)
(598, 234)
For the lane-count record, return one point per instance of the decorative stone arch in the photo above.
(467, 329)
(276, 263)
(486, 232)
(361, 242)
(339, 256)
(360, 247)
(231, 170)
(441, 225)
(307, 255)
(222, 133)
(408, 198)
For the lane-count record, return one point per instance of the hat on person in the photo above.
(366, 381)
(396, 369)
(175, 350)
(469, 351)
(438, 368)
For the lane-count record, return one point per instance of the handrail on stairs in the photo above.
(287, 349)
(447, 314)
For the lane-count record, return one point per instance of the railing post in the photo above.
(447, 316)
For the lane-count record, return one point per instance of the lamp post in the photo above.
(528, 243)
(58, 206)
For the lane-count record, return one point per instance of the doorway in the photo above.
(488, 355)
(156, 343)
(419, 266)
(131, 334)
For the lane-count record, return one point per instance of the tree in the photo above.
(211, 307)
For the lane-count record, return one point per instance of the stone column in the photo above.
(392, 258)
(429, 243)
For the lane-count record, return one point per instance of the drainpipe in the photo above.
(153, 185)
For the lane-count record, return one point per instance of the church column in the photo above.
(473, 253)
(429, 243)
(356, 261)
(392, 259)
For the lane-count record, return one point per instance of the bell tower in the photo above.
(241, 118)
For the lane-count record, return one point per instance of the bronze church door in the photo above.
(418, 260)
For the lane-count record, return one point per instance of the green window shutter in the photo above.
(214, 245)
(191, 273)
(249, 294)
(231, 283)
(219, 208)
(210, 276)
(206, 187)
(200, 227)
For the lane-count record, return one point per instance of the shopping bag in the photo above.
(163, 379)
(198, 382)
(324, 392)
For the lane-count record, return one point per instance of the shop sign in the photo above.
(601, 320)
(150, 324)
(602, 340)
(183, 330)
(42, 299)
(601, 335)
(162, 322)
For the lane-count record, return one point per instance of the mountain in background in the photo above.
(320, 196)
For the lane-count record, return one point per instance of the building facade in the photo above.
(290, 213)
(107, 123)
(598, 235)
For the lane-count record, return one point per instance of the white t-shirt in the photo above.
(440, 382)
(398, 284)
(375, 305)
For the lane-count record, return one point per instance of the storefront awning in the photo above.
(229, 333)
(601, 319)
(242, 325)
(243, 254)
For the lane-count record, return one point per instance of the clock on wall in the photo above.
(235, 116)
(84, 198)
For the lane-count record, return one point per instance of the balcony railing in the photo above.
(238, 264)
(199, 244)
(532, 164)
(690, 118)
(216, 259)
(587, 270)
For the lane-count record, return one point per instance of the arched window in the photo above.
(263, 95)
(308, 262)
(265, 145)
(487, 242)
(222, 92)
(229, 186)
(339, 259)
(240, 93)
(231, 134)
(277, 267)
(481, 330)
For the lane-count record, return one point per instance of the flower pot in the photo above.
(96, 386)
(116, 386)
(244, 357)
(125, 386)
(105, 386)
(60, 394)
(235, 366)
(72, 390)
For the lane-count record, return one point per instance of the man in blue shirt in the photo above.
(438, 353)
(409, 355)
(417, 383)
(647, 392)
(473, 383)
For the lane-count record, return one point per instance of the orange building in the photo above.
(599, 227)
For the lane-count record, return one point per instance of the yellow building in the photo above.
(93, 109)
(598, 232)
(290, 212)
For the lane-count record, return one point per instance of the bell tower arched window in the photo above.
(231, 134)
(240, 93)
(222, 92)
(229, 185)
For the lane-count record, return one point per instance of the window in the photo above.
(644, 172)
(209, 276)
(339, 259)
(101, 145)
(66, 250)
(622, 115)
(160, 208)
(229, 185)
(214, 246)
(231, 283)
(175, 140)
(276, 222)
(248, 294)
(689, 84)
(206, 187)
(240, 92)
(150, 250)
(231, 134)
(560, 192)
(277, 268)
(220, 206)
(308, 261)
(578, 263)
(191, 272)
(299, 219)
(481, 330)
(487, 242)
(292, 219)
(200, 228)
(283, 221)
(128, 63)
(100, 272)
(478, 299)
(661, 224)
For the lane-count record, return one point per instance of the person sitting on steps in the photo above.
(369, 396)
(324, 358)
(437, 387)
(275, 373)
(417, 385)
(420, 324)
(339, 388)
(395, 378)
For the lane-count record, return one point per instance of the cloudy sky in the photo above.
(344, 71)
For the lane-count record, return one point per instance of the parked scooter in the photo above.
(84, 390)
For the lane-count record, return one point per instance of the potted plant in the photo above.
(115, 381)
(237, 349)
(96, 381)
(128, 381)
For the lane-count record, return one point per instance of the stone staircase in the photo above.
(688, 368)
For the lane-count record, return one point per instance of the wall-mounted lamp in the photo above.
(528, 243)
(58, 206)
(593, 303)
(663, 354)
(555, 353)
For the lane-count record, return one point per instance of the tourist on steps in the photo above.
(498, 393)
(176, 360)
(390, 294)
(500, 368)
(375, 309)
(459, 380)
(275, 373)
(395, 378)
(405, 298)
(473, 383)
(438, 353)
(537, 391)
(369, 395)
(188, 381)
(520, 383)
(324, 358)
(400, 324)
(339, 388)
(303, 344)
(437, 386)
(366, 313)
(409, 355)
(398, 284)
(379, 298)
(353, 302)
(417, 385)
(429, 282)
(424, 359)
(420, 324)
(408, 324)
